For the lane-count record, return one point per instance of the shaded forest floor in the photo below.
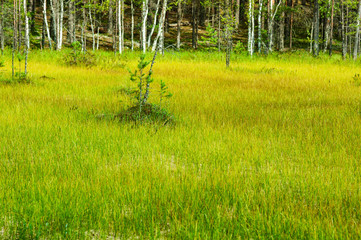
(269, 148)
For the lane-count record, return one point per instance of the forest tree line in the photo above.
(261, 26)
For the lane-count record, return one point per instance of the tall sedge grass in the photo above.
(269, 148)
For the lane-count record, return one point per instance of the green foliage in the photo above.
(163, 93)
(239, 48)
(77, 57)
(140, 108)
(210, 39)
(141, 79)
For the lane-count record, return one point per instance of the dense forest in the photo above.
(259, 26)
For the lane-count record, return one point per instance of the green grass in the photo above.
(268, 149)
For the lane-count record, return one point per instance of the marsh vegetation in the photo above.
(268, 148)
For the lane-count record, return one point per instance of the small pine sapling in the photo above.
(143, 83)
(163, 93)
(140, 95)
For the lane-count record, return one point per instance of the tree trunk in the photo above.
(32, 16)
(2, 28)
(14, 39)
(331, 30)
(344, 37)
(272, 14)
(132, 27)
(250, 27)
(71, 22)
(83, 36)
(122, 24)
(356, 45)
(270, 26)
(228, 33)
(92, 27)
(282, 32)
(53, 23)
(195, 19)
(179, 21)
(316, 16)
(213, 13)
(311, 37)
(144, 25)
(60, 28)
(237, 13)
(154, 23)
(26, 39)
(46, 24)
(98, 36)
(327, 27)
(119, 25)
(110, 17)
(260, 26)
(219, 27)
(291, 24)
(161, 28)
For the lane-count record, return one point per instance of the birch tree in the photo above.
(228, 21)
(327, 27)
(272, 14)
(46, 23)
(71, 21)
(316, 31)
(251, 27)
(343, 31)
(331, 27)
(26, 39)
(145, 9)
(60, 25)
(92, 24)
(160, 34)
(260, 26)
(154, 23)
(179, 21)
(2, 35)
(119, 25)
(357, 34)
(132, 27)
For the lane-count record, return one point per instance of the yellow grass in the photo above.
(269, 148)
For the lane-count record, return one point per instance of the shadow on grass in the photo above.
(149, 114)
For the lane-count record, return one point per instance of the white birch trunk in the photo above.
(46, 23)
(92, 28)
(311, 38)
(119, 27)
(60, 41)
(179, 20)
(98, 36)
(251, 28)
(161, 26)
(132, 27)
(252, 35)
(270, 27)
(144, 25)
(154, 23)
(54, 20)
(26, 40)
(122, 23)
(260, 26)
(327, 32)
(355, 52)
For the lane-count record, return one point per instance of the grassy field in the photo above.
(269, 148)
